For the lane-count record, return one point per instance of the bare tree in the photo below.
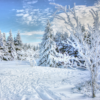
(90, 52)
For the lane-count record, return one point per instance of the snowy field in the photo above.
(19, 81)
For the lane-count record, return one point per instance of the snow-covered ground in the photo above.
(19, 81)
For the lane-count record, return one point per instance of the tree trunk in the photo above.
(93, 82)
(93, 89)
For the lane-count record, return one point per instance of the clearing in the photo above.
(19, 81)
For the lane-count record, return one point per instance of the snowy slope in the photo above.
(19, 81)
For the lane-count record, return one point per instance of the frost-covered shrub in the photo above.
(84, 88)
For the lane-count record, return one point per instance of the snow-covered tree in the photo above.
(6, 53)
(4, 39)
(25, 47)
(18, 42)
(90, 52)
(34, 48)
(63, 46)
(18, 45)
(29, 46)
(47, 49)
(1, 40)
(11, 46)
(1, 47)
(5, 43)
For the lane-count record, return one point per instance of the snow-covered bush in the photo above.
(31, 58)
(84, 88)
(63, 46)
(27, 55)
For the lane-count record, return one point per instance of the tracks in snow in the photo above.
(22, 82)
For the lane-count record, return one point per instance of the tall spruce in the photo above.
(47, 48)
(4, 39)
(11, 46)
(18, 45)
(1, 47)
(18, 41)
(1, 40)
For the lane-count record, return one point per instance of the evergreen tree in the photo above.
(18, 45)
(1, 47)
(47, 49)
(4, 39)
(6, 53)
(1, 40)
(34, 48)
(5, 43)
(18, 42)
(25, 47)
(29, 47)
(11, 47)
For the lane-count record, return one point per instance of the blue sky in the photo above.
(30, 16)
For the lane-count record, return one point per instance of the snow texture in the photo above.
(19, 81)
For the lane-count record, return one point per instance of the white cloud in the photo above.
(21, 14)
(33, 33)
(35, 9)
(51, 0)
(26, 15)
(32, 2)
(13, 9)
(20, 11)
(29, 18)
(32, 16)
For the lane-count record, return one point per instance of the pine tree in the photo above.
(29, 47)
(18, 42)
(34, 48)
(18, 45)
(47, 49)
(25, 47)
(5, 43)
(1, 40)
(6, 53)
(1, 47)
(11, 47)
(4, 39)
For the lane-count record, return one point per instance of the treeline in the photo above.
(14, 49)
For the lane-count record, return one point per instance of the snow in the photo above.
(19, 81)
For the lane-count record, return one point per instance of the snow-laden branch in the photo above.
(88, 45)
